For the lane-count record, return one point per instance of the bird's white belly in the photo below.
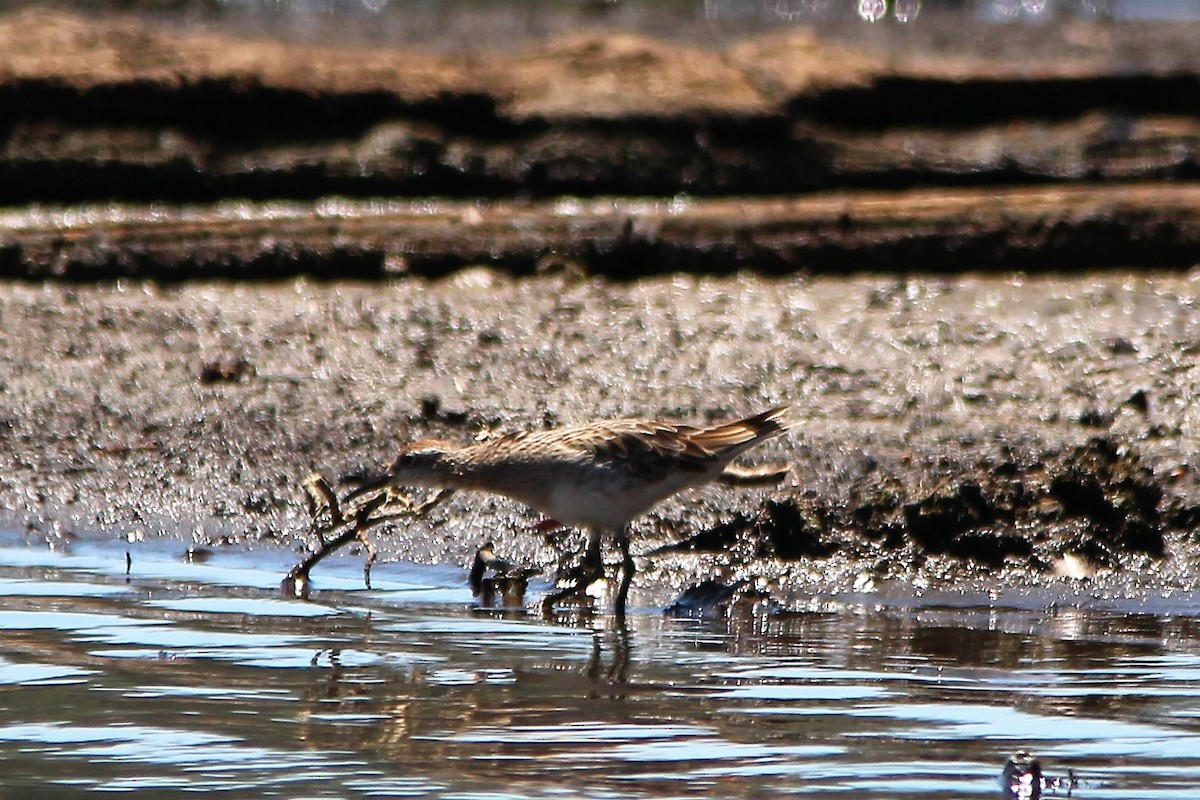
(589, 506)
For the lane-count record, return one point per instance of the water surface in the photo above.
(194, 676)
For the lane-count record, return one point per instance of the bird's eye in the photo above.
(406, 460)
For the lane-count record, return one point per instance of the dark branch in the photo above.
(323, 502)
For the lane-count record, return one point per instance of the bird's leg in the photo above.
(627, 570)
(590, 570)
(593, 566)
(475, 578)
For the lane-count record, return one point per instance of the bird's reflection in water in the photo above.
(1023, 779)
(619, 642)
(612, 647)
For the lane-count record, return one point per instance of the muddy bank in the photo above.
(967, 426)
(779, 151)
(1150, 225)
(116, 108)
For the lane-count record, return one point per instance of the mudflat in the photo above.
(975, 425)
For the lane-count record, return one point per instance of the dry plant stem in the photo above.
(362, 520)
(372, 553)
(323, 499)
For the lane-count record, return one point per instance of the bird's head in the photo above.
(425, 463)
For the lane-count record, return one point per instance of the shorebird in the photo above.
(598, 476)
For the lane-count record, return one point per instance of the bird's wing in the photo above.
(648, 450)
(644, 448)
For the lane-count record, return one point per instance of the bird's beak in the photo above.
(372, 484)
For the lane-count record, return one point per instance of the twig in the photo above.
(321, 498)
(322, 501)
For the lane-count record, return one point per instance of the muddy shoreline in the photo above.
(1030, 229)
(221, 269)
(945, 440)
(116, 108)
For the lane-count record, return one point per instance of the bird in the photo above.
(597, 476)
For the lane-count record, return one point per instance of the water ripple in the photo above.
(175, 684)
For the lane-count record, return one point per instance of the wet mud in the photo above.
(224, 269)
(956, 429)
(1143, 225)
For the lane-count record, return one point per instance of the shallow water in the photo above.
(198, 676)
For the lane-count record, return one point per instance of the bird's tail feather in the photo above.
(740, 434)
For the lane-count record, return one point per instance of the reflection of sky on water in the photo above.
(172, 683)
(12, 674)
(147, 747)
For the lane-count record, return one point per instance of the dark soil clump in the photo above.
(1097, 502)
